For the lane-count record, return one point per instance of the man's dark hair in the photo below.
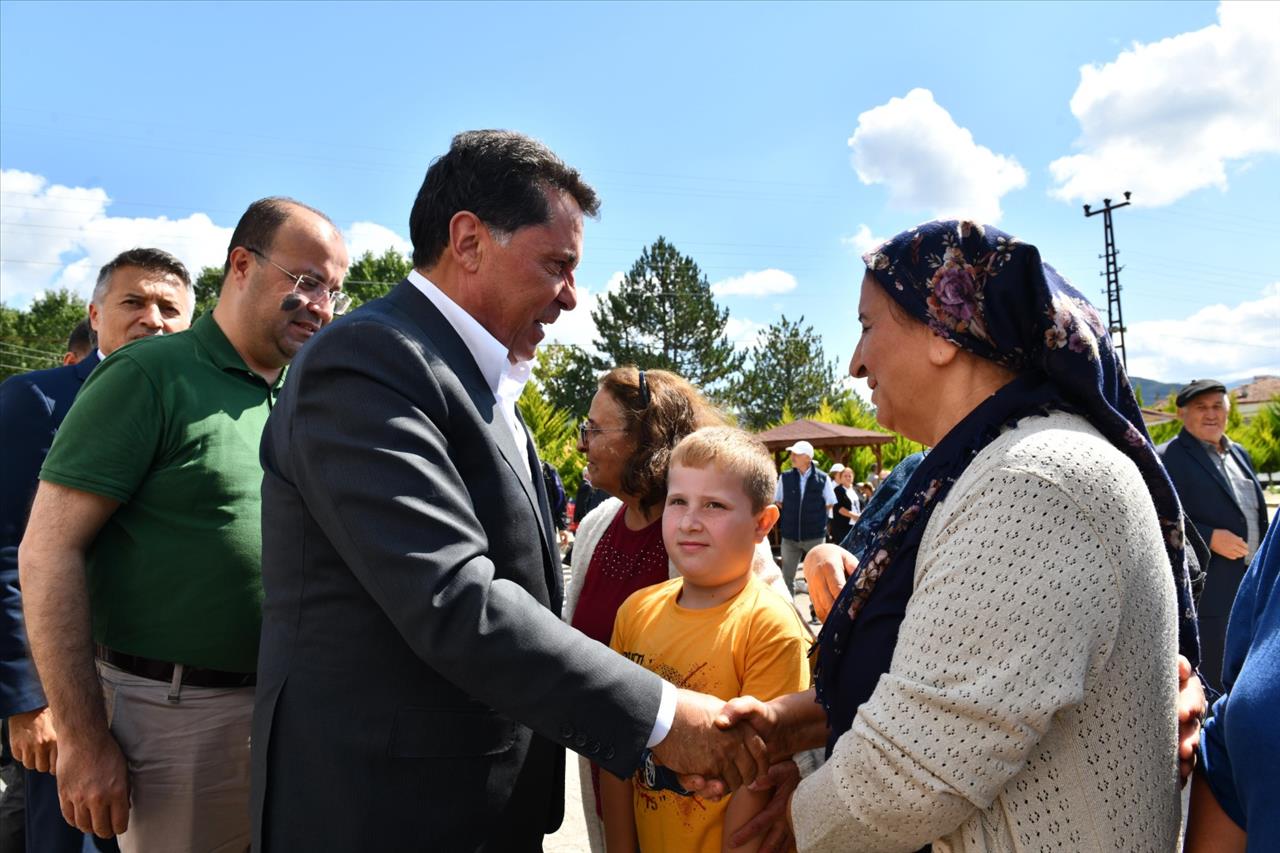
(81, 340)
(152, 260)
(500, 176)
(258, 226)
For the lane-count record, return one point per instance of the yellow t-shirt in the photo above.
(754, 644)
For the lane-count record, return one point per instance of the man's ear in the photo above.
(765, 521)
(239, 261)
(93, 315)
(468, 240)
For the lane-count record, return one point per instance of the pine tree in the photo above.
(788, 369)
(567, 377)
(664, 316)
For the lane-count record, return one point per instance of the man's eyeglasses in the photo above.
(585, 429)
(312, 289)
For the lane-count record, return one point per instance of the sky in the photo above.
(773, 143)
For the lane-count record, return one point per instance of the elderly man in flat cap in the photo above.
(805, 496)
(1221, 495)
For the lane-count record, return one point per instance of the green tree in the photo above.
(372, 275)
(788, 369)
(567, 378)
(664, 316)
(37, 337)
(555, 435)
(207, 286)
(1261, 437)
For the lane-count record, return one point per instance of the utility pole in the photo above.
(1115, 319)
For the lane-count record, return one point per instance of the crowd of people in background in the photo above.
(276, 582)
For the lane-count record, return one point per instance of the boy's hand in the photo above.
(825, 569)
(774, 820)
(697, 745)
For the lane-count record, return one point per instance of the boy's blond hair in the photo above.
(735, 452)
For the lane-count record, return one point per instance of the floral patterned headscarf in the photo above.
(990, 294)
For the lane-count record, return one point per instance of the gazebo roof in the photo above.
(820, 434)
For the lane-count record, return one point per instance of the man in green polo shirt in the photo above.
(144, 544)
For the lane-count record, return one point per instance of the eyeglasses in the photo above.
(585, 429)
(312, 289)
(644, 391)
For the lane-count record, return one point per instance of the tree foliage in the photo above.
(567, 377)
(1261, 437)
(372, 275)
(37, 338)
(664, 316)
(208, 285)
(788, 369)
(555, 435)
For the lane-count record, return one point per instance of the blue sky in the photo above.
(770, 142)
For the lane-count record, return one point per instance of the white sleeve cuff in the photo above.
(666, 715)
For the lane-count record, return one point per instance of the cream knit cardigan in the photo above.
(590, 531)
(1030, 703)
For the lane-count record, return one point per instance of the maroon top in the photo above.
(624, 561)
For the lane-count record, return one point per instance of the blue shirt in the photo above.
(1240, 748)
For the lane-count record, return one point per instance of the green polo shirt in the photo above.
(170, 426)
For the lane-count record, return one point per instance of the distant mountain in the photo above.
(1154, 393)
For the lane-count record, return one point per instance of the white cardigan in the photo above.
(1031, 700)
(590, 531)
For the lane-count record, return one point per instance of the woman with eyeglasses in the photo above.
(636, 418)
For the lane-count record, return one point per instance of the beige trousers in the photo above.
(188, 763)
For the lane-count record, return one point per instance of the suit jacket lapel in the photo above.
(551, 550)
(1198, 452)
(412, 302)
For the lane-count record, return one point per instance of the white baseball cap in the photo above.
(803, 448)
(837, 468)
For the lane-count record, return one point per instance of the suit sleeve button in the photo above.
(566, 731)
(608, 754)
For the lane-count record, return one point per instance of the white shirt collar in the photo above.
(505, 380)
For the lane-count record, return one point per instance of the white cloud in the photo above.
(1222, 341)
(744, 333)
(763, 283)
(576, 326)
(371, 237)
(862, 240)
(56, 236)
(1166, 118)
(928, 162)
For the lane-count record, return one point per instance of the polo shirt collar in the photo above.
(505, 380)
(223, 355)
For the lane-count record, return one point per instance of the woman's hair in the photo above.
(658, 409)
(736, 454)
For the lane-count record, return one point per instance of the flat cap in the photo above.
(1196, 387)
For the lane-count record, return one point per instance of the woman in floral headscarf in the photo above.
(999, 674)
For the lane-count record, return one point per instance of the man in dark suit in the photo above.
(140, 293)
(412, 650)
(1221, 495)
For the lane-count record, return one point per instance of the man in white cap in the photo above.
(805, 496)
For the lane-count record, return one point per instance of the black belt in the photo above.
(158, 670)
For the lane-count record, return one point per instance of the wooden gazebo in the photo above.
(838, 441)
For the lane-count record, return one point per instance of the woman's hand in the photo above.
(826, 568)
(1191, 708)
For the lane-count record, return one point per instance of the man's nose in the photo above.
(856, 368)
(151, 317)
(568, 297)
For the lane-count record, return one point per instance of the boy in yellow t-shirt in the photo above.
(716, 629)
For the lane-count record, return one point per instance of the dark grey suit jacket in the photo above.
(415, 685)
